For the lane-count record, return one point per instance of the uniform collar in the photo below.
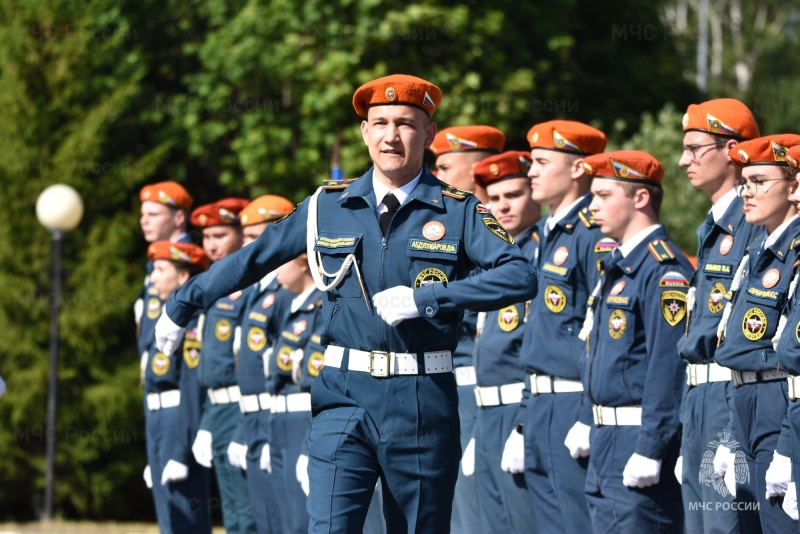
(567, 217)
(524, 236)
(300, 300)
(635, 252)
(720, 207)
(428, 190)
(400, 193)
(266, 281)
(782, 238)
(733, 216)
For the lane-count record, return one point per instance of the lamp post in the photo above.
(59, 208)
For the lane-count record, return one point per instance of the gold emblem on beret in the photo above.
(494, 169)
(792, 162)
(588, 168)
(391, 94)
(685, 120)
(535, 137)
(779, 151)
(743, 157)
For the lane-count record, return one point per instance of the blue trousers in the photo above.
(503, 501)
(759, 409)
(266, 512)
(556, 481)
(794, 425)
(181, 507)
(403, 429)
(466, 519)
(288, 432)
(707, 504)
(614, 507)
(237, 512)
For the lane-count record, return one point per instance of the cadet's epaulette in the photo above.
(587, 218)
(337, 185)
(660, 251)
(451, 191)
(795, 243)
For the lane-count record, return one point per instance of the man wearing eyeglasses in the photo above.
(711, 130)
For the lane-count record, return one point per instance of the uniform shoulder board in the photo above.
(535, 235)
(587, 218)
(660, 251)
(337, 185)
(795, 243)
(451, 191)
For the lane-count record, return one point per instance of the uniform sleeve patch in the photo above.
(673, 279)
(660, 251)
(483, 210)
(605, 245)
(495, 227)
(673, 306)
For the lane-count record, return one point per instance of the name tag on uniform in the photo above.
(718, 268)
(424, 245)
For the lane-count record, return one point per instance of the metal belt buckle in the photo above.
(737, 378)
(382, 369)
(598, 415)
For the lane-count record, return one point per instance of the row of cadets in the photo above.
(458, 149)
(760, 287)
(554, 411)
(633, 376)
(711, 130)
(259, 327)
(222, 236)
(173, 400)
(503, 497)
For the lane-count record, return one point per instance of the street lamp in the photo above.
(59, 208)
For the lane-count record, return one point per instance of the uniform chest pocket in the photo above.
(432, 261)
(333, 249)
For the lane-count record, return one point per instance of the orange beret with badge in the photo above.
(171, 194)
(793, 157)
(723, 116)
(468, 139)
(567, 136)
(187, 253)
(398, 90)
(767, 150)
(222, 212)
(266, 208)
(511, 164)
(632, 166)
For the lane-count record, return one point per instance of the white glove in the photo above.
(513, 460)
(168, 334)
(148, 478)
(265, 358)
(174, 472)
(395, 304)
(266, 461)
(138, 309)
(237, 455)
(641, 471)
(201, 448)
(790, 501)
(722, 459)
(236, 346)
(301, 473)
(468, 459)
(679, 470)
(730, 481)
(577, 440)
(778, 475)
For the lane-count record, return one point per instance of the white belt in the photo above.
(224, 395)
(551, 384)
(794, 387)
(465, 376)
(621, 416)
(255, 403)
(748, 377)
(382, 364)
(497, 395)
(703, 373)
(165, 399)
(295, 402)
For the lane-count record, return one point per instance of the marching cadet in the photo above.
(396, 247)
(222, 236)
(554, 411)
(259, 328)
(173, 397)
(633, 375)
(457, 150)
(163, 218)
(502, 497)
(760, 287)
(787, 347)
(711, 129)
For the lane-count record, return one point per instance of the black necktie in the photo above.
(391, 204)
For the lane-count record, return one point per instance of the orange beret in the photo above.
(180, 252)
(468, 139)
(397, 89)
(793, 157)
(625, 165)
(567, 136)
(722, 116)
(511, 164)
(225, 211)
(265, 208)
(767, 150)
(170, 194)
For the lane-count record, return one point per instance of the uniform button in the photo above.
(429, 310)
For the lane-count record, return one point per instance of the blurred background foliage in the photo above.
(243, 97)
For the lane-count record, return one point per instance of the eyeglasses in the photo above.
(752, 185)
(692, 149)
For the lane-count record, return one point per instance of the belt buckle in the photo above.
(598, 415)
(737, 378)
(381, 371)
